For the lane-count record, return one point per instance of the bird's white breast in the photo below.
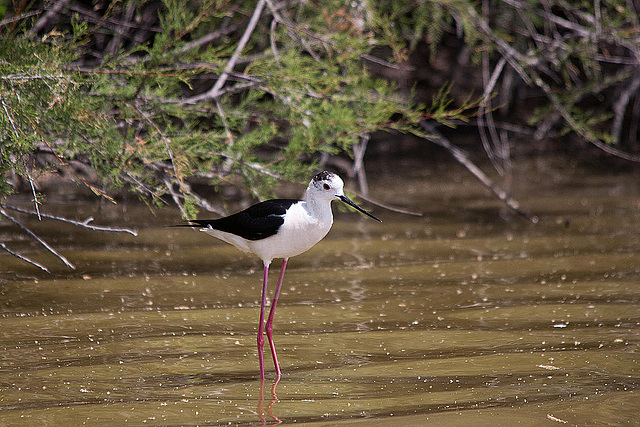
(300, 231)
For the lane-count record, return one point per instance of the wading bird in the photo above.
(280, 228)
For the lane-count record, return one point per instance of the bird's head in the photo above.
(329, 186)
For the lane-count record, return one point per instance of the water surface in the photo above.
(468, 314)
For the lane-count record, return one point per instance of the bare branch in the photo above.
(359, 149)
(375, 60)
(84, 223)
(142, 188)
(214, 91)
(294, 28)
(438, 139)
(208, 38)
(36, 202)
(620, 106)
(24, 258)
(9, 117)
(272, 40)
(576, 127)
(175, 196)
(12, 19)
(387, 206)
(51, 13)
(485, 110)
(37, 238)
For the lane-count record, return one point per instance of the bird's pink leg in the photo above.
(261, 324)
(272, 312)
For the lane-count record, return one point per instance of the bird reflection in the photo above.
(266, 414)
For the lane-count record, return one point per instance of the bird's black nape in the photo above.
(323, 176)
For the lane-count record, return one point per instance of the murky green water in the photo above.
(466, 315)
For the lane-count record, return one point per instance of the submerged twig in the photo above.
(386, 206)
(37, 238)
(84, 223)
(24, 258)
(438, 139)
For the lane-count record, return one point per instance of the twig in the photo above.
(65, 164)
(9, 117)
(359, 149)
(438, 139)
(208, 38)
(42, 22)
(226, 167)
(485, 110)
(175, 197)
(37, 238)
(387, 64)
(186, 188)
(576, 127)
(112, 23)
(295, 28)
(620, 106)
(84, 223)
(12, 19)
(272, 40)
(114, 44)
(386, 206)
(214, 91)
(36, 203)
(24, 258)
(165, 140)
(126, 176)
(204, 203)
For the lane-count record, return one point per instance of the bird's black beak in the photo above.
(350, 203)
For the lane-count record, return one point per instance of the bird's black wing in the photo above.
(254, 223)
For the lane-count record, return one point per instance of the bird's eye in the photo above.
(326, 186)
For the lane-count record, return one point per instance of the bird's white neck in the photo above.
(319, 208)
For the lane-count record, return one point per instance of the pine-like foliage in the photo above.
(160, 95)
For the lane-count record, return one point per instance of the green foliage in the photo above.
(127, 94)
(45, 109)
(405, 24)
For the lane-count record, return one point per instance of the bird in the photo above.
(280, 228)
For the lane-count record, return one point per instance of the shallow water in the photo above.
(465, 315)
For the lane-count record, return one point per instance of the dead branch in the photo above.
(214, 91)
(576, 127)
(85, 223)
(437, 138)
(211, 37)
(292, 29)
(51, 13)
(387, 206)
(359, 149)
(24, 258)
(176, 198)
(37, 238)
(485, 110)
(620, 106)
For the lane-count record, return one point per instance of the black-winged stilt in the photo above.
(280, 228)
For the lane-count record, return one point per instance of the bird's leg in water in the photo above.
(261, 324)
(272, 312)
